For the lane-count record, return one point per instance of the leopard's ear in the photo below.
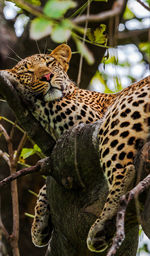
(62, 54)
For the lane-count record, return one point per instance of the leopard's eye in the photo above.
(48, 63)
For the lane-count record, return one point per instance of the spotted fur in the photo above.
(125, 129)
(55, 101)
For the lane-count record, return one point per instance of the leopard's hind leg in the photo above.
(40, 230)
(97, 239)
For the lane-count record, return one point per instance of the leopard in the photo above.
(44, 86)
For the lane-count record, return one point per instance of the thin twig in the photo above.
(15, 209)
(143, 4)
(29, 7)
(23, 172)
(4, 229)
(117, 8)
(14, 237)
(84, 36)
(4, 132)
(9, 144)
(124, 201)
(132, 194)
(4, 155)
(21, 144)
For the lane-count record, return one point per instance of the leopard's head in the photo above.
(42, 75)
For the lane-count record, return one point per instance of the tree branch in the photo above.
(143, 4)
(135, 36)
(41, 167)
(116, 10)
(26, 120)
(125, 200)
(35, 10)
(5, 157)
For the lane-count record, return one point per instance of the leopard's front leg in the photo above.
(40, 230)
(97, 239)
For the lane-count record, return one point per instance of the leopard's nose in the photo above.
(47, 77)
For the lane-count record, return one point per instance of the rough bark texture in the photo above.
(77, 188)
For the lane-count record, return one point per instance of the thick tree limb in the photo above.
(26, 120)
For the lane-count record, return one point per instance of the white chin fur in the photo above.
(53, 95)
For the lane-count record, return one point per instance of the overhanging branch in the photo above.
(116, 10)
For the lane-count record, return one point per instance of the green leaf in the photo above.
(40, 28)
(62, 31)
(26, 152)
(90, 35)
(145, 47)
(57, 8)
(128, 14)
(82, 48)
(98, 36)
(36, 148)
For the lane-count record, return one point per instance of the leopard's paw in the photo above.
(96, 240)
(100, 235)
(41, 226)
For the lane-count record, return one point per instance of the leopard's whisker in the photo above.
(38, 47)
(45, 47)
(12, 58)
(14, 52)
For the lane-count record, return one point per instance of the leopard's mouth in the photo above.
(53, 93)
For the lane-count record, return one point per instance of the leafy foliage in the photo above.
(51, 21)
(62, 31)
(145, 47)
(84, 51)
(27, 152)
(128, 14)
(98, 36)
(56, 9)
(40, 27)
